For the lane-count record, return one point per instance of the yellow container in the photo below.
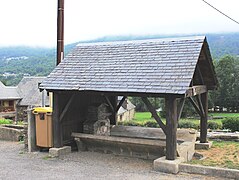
(43, 117)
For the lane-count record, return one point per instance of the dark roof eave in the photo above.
(117, 93)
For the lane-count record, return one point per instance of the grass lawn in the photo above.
(224, 114)
(142, 117)
(222, 154)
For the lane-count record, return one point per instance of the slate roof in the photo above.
(142, 66)
(29, 92)
(8, 92)
(129, 107)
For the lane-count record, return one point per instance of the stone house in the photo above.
(127, 111)
(30, 95)
(17, 99)
(8, 101)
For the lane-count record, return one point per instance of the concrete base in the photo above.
(57, 152)
(210, 171)
(199, 145)
(167, 166)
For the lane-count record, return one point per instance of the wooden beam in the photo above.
(109, 103)
(195, 90)
(171, 126)
(120, 103)
(180, 107)
(57, 126)
(198, 97)
(113, 117)
(195, 106)
(154, 114)
(66, 107)
(203, 121)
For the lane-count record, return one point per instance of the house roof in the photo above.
(128, 106)
(8, 92)
(145, 66)
(29, 92)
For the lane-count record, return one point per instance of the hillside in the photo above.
(16, 62)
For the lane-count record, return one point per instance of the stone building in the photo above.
(30, 96)
(8, 101)
(14, 101)
(127, 111)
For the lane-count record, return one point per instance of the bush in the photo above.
(214, 125)
(188, 124)
(231, 123)
(151, 124)
(129, 123)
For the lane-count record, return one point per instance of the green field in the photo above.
(224, 114)
(146, 116)
(144, 119)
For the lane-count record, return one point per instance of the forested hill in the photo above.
(15, 62)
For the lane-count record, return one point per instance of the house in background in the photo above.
(14, 101)
(8, 101)
(30, 96)
(127, 111)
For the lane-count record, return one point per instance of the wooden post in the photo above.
(171, 127)
(31, 133)
(57, 127)
(60, 31)
(203, 122)
(113, 118)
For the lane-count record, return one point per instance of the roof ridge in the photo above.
(185, 38)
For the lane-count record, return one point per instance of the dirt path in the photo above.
(15, 163)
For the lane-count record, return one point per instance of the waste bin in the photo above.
(43, 117)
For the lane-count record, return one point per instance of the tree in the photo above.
(227, 96)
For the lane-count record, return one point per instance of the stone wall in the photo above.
(22, 113)
(11, 132)
(126, 116)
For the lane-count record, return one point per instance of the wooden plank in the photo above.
(203, 121)
(120, 103)
(57, 126)
(171, 126)
(136, 141)
(154, 113)
(180, 107)
(66, 107)
(195, 90)
(195, 106)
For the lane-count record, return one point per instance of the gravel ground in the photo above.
(16, 163)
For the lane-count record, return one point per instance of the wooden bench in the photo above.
(147, 143)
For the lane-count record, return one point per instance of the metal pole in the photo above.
(60, 31)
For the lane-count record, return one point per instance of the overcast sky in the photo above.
(32, 22)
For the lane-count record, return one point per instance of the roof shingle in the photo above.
(145, 66)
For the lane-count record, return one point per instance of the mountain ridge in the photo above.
(17, 61)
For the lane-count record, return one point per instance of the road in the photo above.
(16, 163)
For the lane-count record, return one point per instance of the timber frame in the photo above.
(173, 69)
(173, 105)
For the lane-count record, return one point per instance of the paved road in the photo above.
(15, 163)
